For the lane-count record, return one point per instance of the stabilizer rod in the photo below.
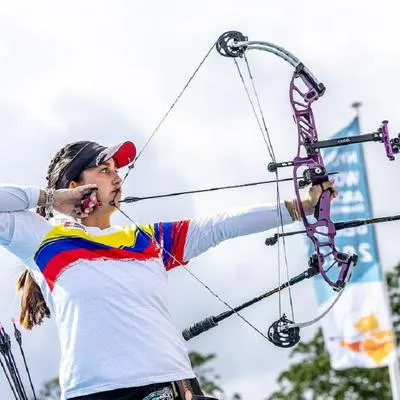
(212, 321)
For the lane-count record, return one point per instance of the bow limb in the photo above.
(303, 92)
(329, 308)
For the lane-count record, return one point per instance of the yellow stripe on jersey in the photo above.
(126, 236)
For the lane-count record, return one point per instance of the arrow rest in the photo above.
(281, 335)
(225, 41)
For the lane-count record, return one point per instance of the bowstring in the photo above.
(131, 166)
(280, 224)
(261, 122)
(164, 117)
(180, 264)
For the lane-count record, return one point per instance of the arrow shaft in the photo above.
(132, 199)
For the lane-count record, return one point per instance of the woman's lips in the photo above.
(116, 194)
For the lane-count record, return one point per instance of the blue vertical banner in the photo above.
(358, 330)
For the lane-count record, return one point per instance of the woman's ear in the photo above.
(80, 181)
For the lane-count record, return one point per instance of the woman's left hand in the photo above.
(315, 194)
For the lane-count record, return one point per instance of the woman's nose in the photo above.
(117, 178)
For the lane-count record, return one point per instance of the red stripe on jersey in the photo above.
(179, 234)
(66, 259)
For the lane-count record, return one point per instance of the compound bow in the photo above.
(308, 169)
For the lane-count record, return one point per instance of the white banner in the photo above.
(358, 331)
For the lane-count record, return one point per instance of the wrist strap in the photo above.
(293, 208)
(48, 203)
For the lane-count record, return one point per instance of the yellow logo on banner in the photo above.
(376, 343)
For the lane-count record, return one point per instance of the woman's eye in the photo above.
(107, 170)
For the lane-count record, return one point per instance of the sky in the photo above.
(108, 71)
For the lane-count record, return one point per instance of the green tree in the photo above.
(311, 377)
(206, 375)
(50, 391)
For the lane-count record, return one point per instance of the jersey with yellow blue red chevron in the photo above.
(66, 245)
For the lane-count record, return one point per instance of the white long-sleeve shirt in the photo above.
(107, 288)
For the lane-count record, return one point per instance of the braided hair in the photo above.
(33, 306)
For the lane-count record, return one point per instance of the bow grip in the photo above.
(318, 211)
(199, 327)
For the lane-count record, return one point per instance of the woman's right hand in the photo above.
(70, 201)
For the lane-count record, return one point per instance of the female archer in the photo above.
(105, 285)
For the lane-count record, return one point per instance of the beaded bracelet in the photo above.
(48, 203)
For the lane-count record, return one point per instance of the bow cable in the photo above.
(267, 140)
(180, 264)
(131, 166)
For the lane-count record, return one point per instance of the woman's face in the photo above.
(108, 182)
